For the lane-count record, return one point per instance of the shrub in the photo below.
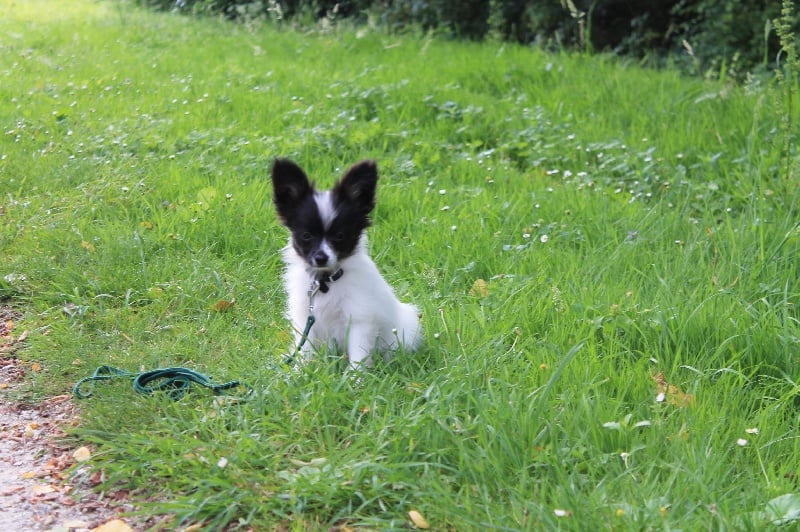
(724, 38)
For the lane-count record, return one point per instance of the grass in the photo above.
(572, 227)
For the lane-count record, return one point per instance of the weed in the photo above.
(606, 266)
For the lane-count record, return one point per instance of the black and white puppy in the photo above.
(329, 272)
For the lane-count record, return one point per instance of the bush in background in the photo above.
(713, 37)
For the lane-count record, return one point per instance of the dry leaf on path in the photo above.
(43, 489)
(115, 525)
(82, 454)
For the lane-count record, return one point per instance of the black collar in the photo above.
(325, 278)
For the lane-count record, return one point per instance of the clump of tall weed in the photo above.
(786, 74)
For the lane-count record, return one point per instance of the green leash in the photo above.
(289, 360)
(175, 381)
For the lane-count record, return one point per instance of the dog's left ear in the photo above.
(358, 184)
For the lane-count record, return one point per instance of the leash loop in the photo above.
(176, 381)
(100, 374)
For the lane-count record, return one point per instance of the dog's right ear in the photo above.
(290, 185)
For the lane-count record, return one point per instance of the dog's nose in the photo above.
(319, 258)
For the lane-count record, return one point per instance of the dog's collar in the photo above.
(323, 279)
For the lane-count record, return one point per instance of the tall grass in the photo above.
(606, 265)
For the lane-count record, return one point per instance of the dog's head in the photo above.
(326, 226)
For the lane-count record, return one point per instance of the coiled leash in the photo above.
(175, 381)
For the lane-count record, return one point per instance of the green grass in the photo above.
(626, 222)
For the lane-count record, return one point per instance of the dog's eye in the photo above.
(306, 237)
(338, 237)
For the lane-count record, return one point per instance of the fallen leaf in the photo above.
(784, 509)
(119, 495)
(28, 474)
(222, 305)
(418, 520)
(88, 246)
(479, 288)
(115, 525)
(82, 454)
(43, 489)
(146, 224)
(671, 393)
(205, 197)
(36, 367)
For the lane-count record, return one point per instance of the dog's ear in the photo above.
(290, 184)
(358, 185)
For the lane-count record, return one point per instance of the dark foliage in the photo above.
(706, 35)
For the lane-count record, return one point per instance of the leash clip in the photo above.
(312, 292)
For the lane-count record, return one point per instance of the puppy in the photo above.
(329, 273)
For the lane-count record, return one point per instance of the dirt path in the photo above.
(39, 488)
(36, 492)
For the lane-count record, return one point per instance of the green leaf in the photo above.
(784, 509)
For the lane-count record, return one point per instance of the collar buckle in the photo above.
(320, 284)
